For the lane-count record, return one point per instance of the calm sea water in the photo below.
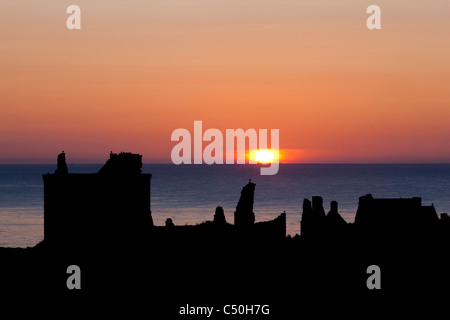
(189, 194)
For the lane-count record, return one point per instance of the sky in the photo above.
(138, 70)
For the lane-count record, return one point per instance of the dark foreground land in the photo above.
(291, 276)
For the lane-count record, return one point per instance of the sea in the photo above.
(189, 194)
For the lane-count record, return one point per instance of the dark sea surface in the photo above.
(189, 194)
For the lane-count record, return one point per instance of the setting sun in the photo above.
(264, 156)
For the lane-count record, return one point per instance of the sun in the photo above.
(264, 156)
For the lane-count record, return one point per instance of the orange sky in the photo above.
(137, 70)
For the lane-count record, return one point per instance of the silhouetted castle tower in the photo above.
(334, 223)
(317, 207)
(244, 215)
(61, 164)
(315, 224)
(99, 208)
(333, 207)
(169, 223)
(313, 217)
(219, 216)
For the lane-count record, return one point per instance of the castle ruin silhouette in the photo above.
(113, 205)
